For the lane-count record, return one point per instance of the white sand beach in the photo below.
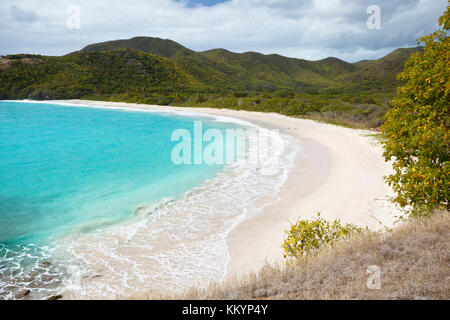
(341, 177)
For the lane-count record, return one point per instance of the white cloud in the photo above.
(311, 29)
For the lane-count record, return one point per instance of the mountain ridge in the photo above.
(139, 41)
(289, 73)
(161, 71)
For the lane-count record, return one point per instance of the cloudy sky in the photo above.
(309, 29)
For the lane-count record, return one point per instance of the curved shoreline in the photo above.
(341, 176)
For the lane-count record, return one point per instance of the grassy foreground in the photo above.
(414, 259)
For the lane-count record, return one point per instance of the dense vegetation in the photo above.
(157, 71)
(126, 72)
(417, 128)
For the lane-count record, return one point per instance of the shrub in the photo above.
(284, 93)
(179, 98)
(294, 109)
(306, 236)
(417, 128)
(369, 100)
(240, 94)
(163, 100)
(199, 98)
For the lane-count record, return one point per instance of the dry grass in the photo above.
(414, 262)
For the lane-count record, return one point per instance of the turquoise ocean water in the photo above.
(71, 170)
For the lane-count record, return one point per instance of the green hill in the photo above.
(161, 47)
(255, 71)
(380, 73)
(122, 71)
(153, 70)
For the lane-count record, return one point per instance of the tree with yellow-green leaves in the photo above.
(416, 129)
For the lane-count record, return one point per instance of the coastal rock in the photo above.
(55, 297)
(22, 293)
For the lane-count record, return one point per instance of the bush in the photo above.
(417, 128)
(284, 93)
(240, 94)
(306, 236)
(163, 100)
(369, 100)
(199, 98)
(294, 109)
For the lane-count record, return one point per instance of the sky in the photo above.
(351, 30)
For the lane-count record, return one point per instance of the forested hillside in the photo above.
(157, 71)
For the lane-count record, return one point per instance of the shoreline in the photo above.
(341, 176)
